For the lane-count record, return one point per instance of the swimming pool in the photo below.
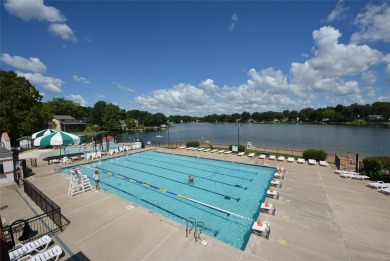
(225, 196)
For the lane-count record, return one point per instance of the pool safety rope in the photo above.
(170, 192)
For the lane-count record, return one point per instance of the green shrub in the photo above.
(314, 154)
(192, 143)
(374, 168)
(241, 148)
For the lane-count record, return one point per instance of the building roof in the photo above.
(5, 136)
(68, 120)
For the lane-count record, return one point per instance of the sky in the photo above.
(201, 57)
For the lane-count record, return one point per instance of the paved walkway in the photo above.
(319, 216)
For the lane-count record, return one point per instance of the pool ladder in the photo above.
(192, 224)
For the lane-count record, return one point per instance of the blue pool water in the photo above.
(225, 196)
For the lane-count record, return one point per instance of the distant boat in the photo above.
(159, 135)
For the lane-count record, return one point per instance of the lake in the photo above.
(337, 139)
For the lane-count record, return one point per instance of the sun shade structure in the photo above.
(56, 139)
(42, 133)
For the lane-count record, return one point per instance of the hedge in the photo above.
(377, 168)
(192, 143)
(314, 154)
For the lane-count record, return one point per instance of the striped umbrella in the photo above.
(42, 133)
(56, 139)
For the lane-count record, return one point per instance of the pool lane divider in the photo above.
(170, 192)
(185, 173)
(214, 172)
(212, 165)
(216, 193)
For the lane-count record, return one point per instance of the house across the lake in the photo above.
(68, 124)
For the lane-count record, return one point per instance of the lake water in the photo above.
(337, 139)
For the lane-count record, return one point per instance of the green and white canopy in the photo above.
(42, 133)
(57, 138)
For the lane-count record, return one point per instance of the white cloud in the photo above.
(347, 88)
(209, 86)
(332, 62)
(269, 80)
(63, 31)
(234, 22)
(33, 9)
(50, 84)
(77, 99)
(180, 99)
(32, 64)
(373, 24)
(369, 78)
(337, 13)
(101, 96)
(124, 88)
(80, 79)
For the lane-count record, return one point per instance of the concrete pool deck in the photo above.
(319, 216)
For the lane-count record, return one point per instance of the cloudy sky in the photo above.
(199, 57)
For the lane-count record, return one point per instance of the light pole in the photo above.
(238, 131)
(168, 135)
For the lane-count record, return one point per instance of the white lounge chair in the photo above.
(354, 176)
(290, 159)
(301, 161)
(385, 190)
(261, 230)
(50, 254)
(65, 160)
(38, 245)
(270, 209)
(182, 147)
(111, 152)
(93, 155)
(228, 152)
(221, 151)
(200, 149)
(281, 158)
(251, 155)
(99, 154)
(241, 154)
(273, 193)
(262, 156)
(54, 161)
(272, 157)
(214, 150)
(324, 163)
(378, 185)
(312, 162)
(279, 175)
(276, 183)
(206, 150)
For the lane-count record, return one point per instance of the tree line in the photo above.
(22, 112)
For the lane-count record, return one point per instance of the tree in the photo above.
(97, 112)
(60, 106)
(21, 109)
(245, 116)
(111, 117)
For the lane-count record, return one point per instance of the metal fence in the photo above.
(45, 203)
(38, 226)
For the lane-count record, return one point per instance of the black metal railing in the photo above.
(40, 225)
(45, 203)
(337, 161)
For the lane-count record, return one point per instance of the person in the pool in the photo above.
(191, 179)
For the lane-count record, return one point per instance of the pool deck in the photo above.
(319, 216)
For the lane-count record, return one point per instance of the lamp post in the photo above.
(169, 143)
(238, 131)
